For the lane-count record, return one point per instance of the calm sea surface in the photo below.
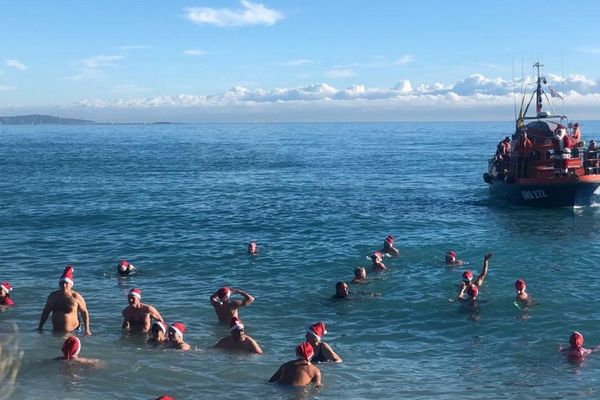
(181, 202)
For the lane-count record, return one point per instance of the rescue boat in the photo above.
(553, 170)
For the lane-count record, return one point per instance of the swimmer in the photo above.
(227, 308)
(342, 291)
(5, 289)
(299, 372)
(322, 351)
(71, 348)
(388, 246)
(175, 334)
(159, 334)
(66, 305)
(378, 264)
(360, 275)
(252, 248)
(137, 316)
(124, 268)
(468, 277)
(451, 258)
(471, 290)
(523, 299)
(238, 340)
(576, 352)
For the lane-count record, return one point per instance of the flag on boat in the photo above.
(554, 93)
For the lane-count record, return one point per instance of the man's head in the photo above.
(315, 332)
(252, 248)
(236, 328)
(66, 280)
(576, 340)
(506, 139)
(123, 267)
(305, 351)
(473, 291)
(5, 288)
(134, 296)
(360, 273)
(223, 294)
(159, 330)
(467, 277)
(376, 257)
(176, 332)
(520, 285)
(342, 289)
(71, 347)
(450, 257)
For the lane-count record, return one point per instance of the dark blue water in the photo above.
(181, 202)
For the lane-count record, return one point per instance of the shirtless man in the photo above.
(360, 275)
(576, 353)
(238, 340)
(137, 316)
(377, 259)
(468, 278)
(175, 334)
(323, 352)
(388, 246)
(65, 304)
(227, 308)
(341, 290)
(451, 258)
(299, 372)
(71, 348)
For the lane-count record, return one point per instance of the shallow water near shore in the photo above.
(181, 202)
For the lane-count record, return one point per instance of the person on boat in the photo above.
(159, 334)
(360, 275)
(388, 246)
(227, 308)
(468, 278)
(299, 372)
(5, 289)
(322, 351)
(71, 349)
(576, 135)
(175, 335)
(591, 160)
(576, 352)
(66, 305)
(124, 268)
(524, 147)
(562, 152)
(377, 259)
(237, 339)
(137, 316)
(252, 248)
(451, 258)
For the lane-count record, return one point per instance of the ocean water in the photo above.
(181, 202)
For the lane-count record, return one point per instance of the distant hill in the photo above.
(42, 120)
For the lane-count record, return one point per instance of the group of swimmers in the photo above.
(66, 307)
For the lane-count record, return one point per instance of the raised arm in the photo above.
(46, 311)
(248, 298)
(484, 271)
(85, 315)
(214, 298)
(276, 375)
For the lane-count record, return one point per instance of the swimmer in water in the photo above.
(322, 351)
(5, 289)
(388, 246)
(377, 259)
(472, 291)
(66, 305)
(227, 308)
(468, 277)
(523, 299)
(451, 258)
(342, 291)
(124, 268)
(137, 316)
(360, 275)
(252, 248)
(576, 352)
(159, 334)
(238, 340)
(175, 334)
(71, 348)
(299, 372)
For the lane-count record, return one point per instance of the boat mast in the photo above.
(538, 90)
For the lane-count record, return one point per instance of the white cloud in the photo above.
(134, 47)
(15, 64)
(93, 68)
(340, 73)
(193, 52)
(297, 62)
(405, 59)
(250, 14)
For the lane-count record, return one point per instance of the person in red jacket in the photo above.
(524, 147)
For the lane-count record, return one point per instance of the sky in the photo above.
(295, 61)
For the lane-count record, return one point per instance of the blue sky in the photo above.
(274, 60)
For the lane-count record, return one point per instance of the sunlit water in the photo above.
(181, 202)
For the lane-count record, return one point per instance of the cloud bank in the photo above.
(250, 14)
(15, 64)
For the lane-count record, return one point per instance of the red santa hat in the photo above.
(123, 265)
(178, 328)
(165, 398)
(235, 324)
(224, 293)
(67, 275)
(467, 276)
(576, 339)
(377, 256)
(305, 351)
(135, 292)
(389, 239)
(71, 347)
(520, 285)
(317, 330)
(157, 325)
(472, 291)
(6, 286)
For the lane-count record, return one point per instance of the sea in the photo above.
(181, 202)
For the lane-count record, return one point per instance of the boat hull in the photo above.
(556, 194)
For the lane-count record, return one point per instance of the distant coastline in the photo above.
(37, 119)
